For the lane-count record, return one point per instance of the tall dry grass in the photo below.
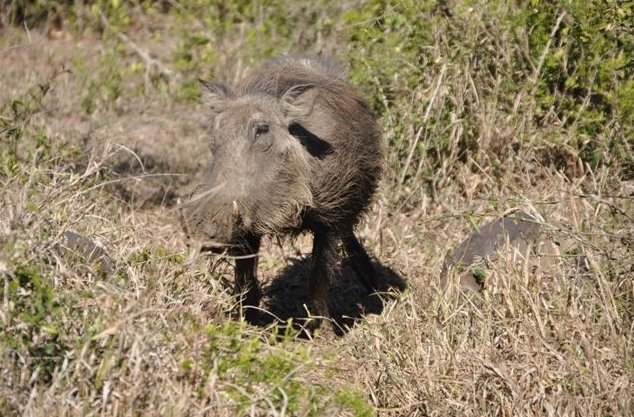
(475, 129)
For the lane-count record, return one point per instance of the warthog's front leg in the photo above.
(246, 282)
(324, 266)
(360, 261)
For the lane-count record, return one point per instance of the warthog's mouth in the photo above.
(215, 248)
(237, 247)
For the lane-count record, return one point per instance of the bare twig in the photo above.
(152, 64)
(412, 149)
(540, 64)
(545, 51)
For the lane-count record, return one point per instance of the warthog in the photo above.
(293, 149)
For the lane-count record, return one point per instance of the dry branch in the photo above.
(152, 64)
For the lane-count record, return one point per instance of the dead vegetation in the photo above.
(105, 148)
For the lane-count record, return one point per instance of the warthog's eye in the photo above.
(261, 129)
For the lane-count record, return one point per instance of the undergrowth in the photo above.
(485, 106)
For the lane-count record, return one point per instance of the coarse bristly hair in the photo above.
(328, 156)
(294, 149)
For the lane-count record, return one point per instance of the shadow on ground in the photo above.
(287, 295)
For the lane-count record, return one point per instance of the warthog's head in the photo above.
(258, 178)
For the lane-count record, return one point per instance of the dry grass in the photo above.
(551, 334)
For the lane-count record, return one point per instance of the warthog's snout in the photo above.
(218, 226)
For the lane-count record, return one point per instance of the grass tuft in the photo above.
(486, 107)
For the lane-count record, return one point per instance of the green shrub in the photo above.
(565, 67)
(33, 321)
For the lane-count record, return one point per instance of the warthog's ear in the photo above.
(299, 101)
(214, 94)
